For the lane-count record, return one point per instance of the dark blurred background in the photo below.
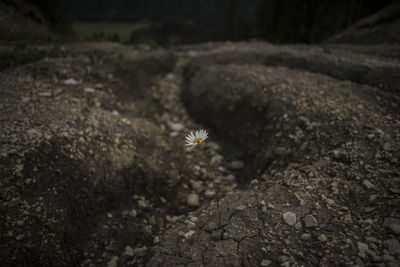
(164, 22)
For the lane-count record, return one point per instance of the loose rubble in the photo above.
(303, 143)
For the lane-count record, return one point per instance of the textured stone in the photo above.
(237, 165)
(289, 217)
(113, 262)
(129, 251)
(310, 221)
(265, 263)
(322, 238)
(362, 249)
(306, 236)
(393, 224)
(368, 184)
(192, 200)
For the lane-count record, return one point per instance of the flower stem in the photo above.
(215, 187)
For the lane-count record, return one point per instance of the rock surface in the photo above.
(289, 218)
(300, 117)
(95, 173)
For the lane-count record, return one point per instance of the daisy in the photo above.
(194, 139)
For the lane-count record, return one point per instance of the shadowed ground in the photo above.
(304, 143)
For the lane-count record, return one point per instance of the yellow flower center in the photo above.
(197, 140)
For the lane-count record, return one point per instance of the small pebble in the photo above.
(70, 81)
(141, 251)
(192, 200)
(310, 220)
(289, 217)
(368, 184)
(113, 262)
(283, 258)
(241, 208)
(265, 263)
(392, 245)
(392, 224)
(209, 193)
(89, 90)
(387, 258)
(322, 238)
(306, 236)
(282, 151)
(237, 165)
(362, 249)
(189, 234)
(129, 251)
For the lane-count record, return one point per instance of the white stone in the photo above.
(129, 251)
(189, 234)
(322, 238)
(173, 134)
(113, 262)
(71, 81)
(265, 263)
(289, 217)
(192, 200)
(209, 193)
(241, 208)
(133, 213)
(89, 90)
(176, 126)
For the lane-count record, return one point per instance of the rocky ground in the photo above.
(304, 144)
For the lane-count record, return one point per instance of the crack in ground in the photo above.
(202, 255)
(238, 246)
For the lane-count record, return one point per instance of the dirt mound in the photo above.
(303, 144)
(375, 66)
(323, 154)
(79, 160)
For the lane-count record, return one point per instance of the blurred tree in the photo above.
(115, 38)
(44, 12)
(308, 21)
(231, 20)
(287, 21)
